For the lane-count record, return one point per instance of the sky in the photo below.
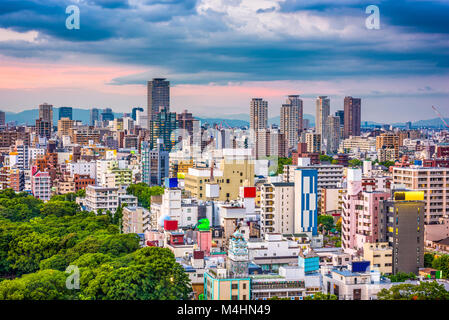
(218, 54)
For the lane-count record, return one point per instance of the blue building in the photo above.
(309, 261)
(306, 201)
(65, 112)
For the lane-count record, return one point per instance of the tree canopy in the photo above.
(143, 193)
(424, 291)
(39, 242)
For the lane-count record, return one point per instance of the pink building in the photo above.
(41, 185)
(204, 240)
(360, 213)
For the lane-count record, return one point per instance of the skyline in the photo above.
(220, 54)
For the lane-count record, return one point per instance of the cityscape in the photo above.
(291, 193)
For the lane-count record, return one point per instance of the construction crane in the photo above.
(440, 116)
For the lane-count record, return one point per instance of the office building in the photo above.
(322, 112)
(46, 113)
(306, 198)
(352, 116)
(94, 116)
(134, 113)
(154, 163)
(65, 112)
(164, 126)
(402, 226)
(341, 115)
(107, 115)
(64, 126)
(158, 97)
(2, 119)
(189, 128)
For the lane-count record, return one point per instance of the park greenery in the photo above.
(38, 241)
(143, 193)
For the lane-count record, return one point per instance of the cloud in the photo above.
(203, 42)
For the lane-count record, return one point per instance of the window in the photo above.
(234, 286)
(234, 298)
(244, 286)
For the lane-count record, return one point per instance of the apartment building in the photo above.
(277, 207)
(358, 144)
(380, 256)
(330, 176)
(41, 185)
(101, 198)
(360, 214)
(273, 251)
(434, 182)
(135, 220)
(388, 141)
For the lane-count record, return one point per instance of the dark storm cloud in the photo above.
(173, 35)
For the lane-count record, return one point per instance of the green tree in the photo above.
(283, 162)
(56, 262)
(325, 222)
(402, 276)
(26, 250)
(442, 263)
(428, 259)
(326, 158)
(60, 208)
(423, 291)
(143, 193)
(355, 163)
(151, 274)
(321, 296)
(42, 285)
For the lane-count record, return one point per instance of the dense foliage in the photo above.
(423, 291)
(143, 193)
(402, 276)
(283, 162)
(39, 241)
(442, 263)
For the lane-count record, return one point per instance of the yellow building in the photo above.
(230, 177)
(380, 256)
(218, 286)
(64, 126)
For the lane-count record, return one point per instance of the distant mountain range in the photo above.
(234, 120)
(29, 116)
